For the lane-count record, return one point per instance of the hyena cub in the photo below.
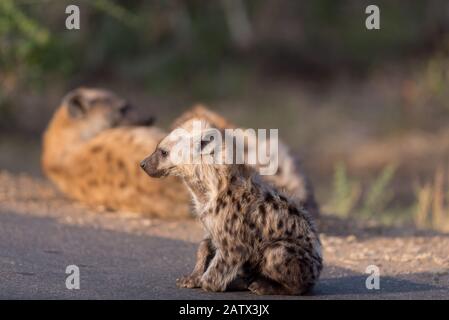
(257, 238)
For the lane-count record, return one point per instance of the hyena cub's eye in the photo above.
(164, 153)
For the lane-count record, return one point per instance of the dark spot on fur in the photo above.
(224, 243)
(233, 179)
(96, 149)
(92, 183)
(279, 269)
(290, 250)
(229, 192)
(238, 206)
(275, 206)
(263, 212)
(240, 249)
(283, 198)
(120, 164)
(221, 203)
(280, 224)
(268, 197)
(293, 210)
(294, 226)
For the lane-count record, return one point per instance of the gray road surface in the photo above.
(35, 251)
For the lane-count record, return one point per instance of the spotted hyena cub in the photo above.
(257, 238)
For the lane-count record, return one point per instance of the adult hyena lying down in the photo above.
(290, 176)
(257, 238)
(92, 149)
(94, 126)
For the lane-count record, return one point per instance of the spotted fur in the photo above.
(92, 149)
(290, 176)
(257, 237)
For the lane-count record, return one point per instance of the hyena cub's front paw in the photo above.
(190, 281)
(210, 284)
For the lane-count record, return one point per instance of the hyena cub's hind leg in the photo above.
(284, 270)
(244, 278)
(204, 255)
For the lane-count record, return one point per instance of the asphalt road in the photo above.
(35, 251)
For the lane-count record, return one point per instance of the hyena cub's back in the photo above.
(92, 149)
(290, 176)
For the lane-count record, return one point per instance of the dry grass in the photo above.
(432, 208)
(351, 197)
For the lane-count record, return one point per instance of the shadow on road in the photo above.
(349, 284)
(335, 226)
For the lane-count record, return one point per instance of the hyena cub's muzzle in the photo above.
(151, 165)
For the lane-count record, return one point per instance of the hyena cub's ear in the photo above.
(76, 103)
(211, 141)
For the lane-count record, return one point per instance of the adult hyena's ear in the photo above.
(77, 104)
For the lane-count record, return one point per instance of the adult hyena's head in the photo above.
(94, 110)
(192, 147)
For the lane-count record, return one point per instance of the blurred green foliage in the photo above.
(206, 49)
(346, 192)
(172, 44)
(350, 198)
(379, 193)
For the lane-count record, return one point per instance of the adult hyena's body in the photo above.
(94, 157)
